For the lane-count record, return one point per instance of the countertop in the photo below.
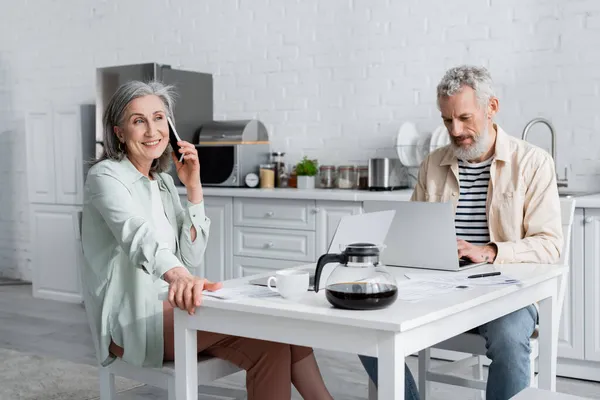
(589, 201)
(308, 194)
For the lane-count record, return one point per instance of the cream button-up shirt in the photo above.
(523, 207)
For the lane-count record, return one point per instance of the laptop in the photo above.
(422, 235)
(369, 227)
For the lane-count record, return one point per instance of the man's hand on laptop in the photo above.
(476, 253)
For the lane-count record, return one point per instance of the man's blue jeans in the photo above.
(410, 387)
(507, 343)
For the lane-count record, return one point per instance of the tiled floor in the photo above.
(61, 330)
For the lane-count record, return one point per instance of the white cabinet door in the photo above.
(56, 252)
(329, 214)
(281, 244)
(571, 328)
(40, 157)
(246, 266)
(592, 284)
(218, 259)
(275, 213)
(67, 156)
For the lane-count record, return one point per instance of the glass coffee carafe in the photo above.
(359, 281)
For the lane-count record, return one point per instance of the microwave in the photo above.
(227, 165)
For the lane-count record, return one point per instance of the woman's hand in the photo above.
(188, 171)
(185, 289)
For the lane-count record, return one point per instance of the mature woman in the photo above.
(138, 240)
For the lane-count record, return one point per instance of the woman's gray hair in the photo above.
(115, 113)
(477, 78)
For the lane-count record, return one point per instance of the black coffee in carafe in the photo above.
(359, 281)
(361, 295)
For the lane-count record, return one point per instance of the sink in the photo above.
(575, 193)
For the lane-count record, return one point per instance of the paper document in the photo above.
(452, 278)
(416, 290)
(240, 292)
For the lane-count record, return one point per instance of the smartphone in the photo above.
(174, 138)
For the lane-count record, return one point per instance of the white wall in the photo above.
(332, 79)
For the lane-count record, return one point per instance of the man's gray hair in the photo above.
(115, 113)
(477, 78)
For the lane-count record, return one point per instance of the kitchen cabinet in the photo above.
(279, 233)
(592, 284)
(56, 252)
(279, 244)
(288, 214)
(246, 266)
(329, 214)
(54, 161)
(272, 234)
(571, 327)
(55, 189)
(40, 157)
(218, 258)
(217, 264)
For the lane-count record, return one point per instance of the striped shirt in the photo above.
(470, 219)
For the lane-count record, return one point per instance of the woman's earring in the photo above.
(119, 147)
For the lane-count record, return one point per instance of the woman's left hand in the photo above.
(188, 171)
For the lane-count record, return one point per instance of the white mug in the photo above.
(290, 283)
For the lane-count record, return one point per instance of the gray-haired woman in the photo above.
(138, 239)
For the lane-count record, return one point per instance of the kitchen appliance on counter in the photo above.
(194, 101)
(230, 150)
(386, 174)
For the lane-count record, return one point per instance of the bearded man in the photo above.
(507, 210)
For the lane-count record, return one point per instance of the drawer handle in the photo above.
(316, 210)
(268, 245)
(269, 214)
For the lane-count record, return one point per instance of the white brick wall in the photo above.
(331, 79)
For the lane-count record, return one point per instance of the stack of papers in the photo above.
(241, 292)
(416, 290)
(463, 279)
(421, 286)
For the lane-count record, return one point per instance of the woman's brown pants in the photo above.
(268, 364)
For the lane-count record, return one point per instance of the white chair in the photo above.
(209, 369)
(539, 394)
(475, 344)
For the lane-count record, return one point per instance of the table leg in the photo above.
(548, 342)
(186, 359)
(390, 368)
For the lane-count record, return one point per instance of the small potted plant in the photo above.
(306, 170)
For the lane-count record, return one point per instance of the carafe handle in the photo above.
(324, 260)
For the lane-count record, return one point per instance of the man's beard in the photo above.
(479, 147)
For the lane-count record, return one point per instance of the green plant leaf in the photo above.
(307, 167)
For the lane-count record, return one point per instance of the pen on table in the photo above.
(484, 275)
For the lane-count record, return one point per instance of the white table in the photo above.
(390, 334)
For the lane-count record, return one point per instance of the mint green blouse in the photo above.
(124, 258)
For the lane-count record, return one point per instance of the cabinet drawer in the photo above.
(275, 213)
(247, 266)
(274, 243)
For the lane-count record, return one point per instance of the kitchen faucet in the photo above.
(559, 182)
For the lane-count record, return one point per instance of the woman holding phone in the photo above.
(138, 239)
